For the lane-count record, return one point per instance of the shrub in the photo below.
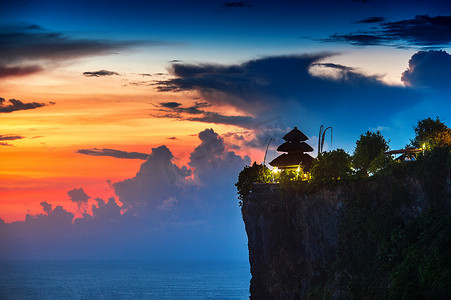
(331, 166)
(249, 175)
(368, 147)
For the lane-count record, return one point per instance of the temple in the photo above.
(294, 147)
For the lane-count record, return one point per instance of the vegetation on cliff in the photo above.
(385, 252)
(390, 246)
(338, 167)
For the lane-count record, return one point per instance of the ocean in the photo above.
(124, 280)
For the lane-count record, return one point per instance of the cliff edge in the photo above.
(370, 238)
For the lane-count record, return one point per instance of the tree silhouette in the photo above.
(431, 133)
(330, 166)
(368, 147)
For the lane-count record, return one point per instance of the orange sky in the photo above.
(88, 113)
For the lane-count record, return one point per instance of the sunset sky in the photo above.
(127, 122)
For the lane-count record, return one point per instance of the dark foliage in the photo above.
(385, 255)
(431, 133)
(249, 175)
(368, 147)
(331, 166)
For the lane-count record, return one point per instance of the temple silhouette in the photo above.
(295, 148)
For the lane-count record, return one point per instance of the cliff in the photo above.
(371, 238)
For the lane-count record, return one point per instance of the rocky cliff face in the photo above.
(294, 238)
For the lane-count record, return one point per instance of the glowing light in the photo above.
(275, 170)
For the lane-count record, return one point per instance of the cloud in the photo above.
(100, 73)
(430, 69)
(165, 211)
(157, 176)
(422, 31)
(217, 118)
(46, 207)
(197, 113)
(18, 71)
(170, 104)
(106, 212)
(78, 196)
(160, 185)
(212, 156)
(370, 20)
(56, 217)
(168, 204)
(113, 153)
(284, 85)
(16, 105)
(27, 49)
(9, 137)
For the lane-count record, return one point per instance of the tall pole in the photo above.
(319, 139)
(324, 135)
(264, 160)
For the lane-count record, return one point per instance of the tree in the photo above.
(249, 175)
(431, 133)
(331, 166)
(368, 147)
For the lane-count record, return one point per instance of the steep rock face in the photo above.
(293, 238)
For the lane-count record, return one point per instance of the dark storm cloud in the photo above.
(18, 71)
(32, 42)
(334, 66)
(216, 118)
(113, 153)
(196, 113)
(422, 31)
(285, 85)
(78, 196)
(371, 20)
(26, 49)
(15, 105)
(9, 137)
(170, 104)
(359, 39)
(235, 79)
(100, 73)
(430, 69)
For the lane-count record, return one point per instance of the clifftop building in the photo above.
(294, 147)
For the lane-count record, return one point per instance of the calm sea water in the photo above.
(124, 280)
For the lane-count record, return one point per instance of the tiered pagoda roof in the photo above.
(295, 147)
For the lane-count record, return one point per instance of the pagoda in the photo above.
(295, 148)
